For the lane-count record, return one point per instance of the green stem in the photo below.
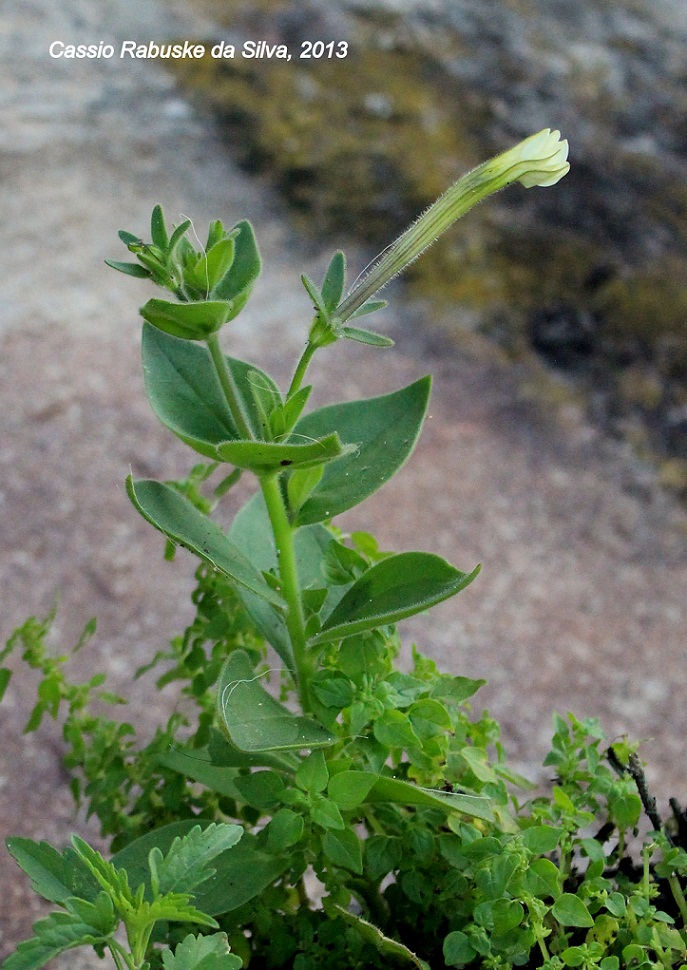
(301, 368)
(678, 896)
(118, 954)
(231, 393)
(290, 585)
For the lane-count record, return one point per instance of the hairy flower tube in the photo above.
(541, 159)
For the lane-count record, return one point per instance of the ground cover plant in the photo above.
(354, 815)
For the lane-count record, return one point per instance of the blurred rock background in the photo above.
(554, 321)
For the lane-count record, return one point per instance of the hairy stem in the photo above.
(290, 585)
(301, 368)
(231, 393)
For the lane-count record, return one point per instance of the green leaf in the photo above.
(343, 849)
(129, 269)
(312, 774)
(541, 878)
(266, 456)
(350, 788)
(385, 430)
(189, 321)
(458, 950)
(113, 880)
(392, 590)
(370, 307)
(242, 872)
(202, 953)
(569, 910)
(237, 283)
(261, 789)
(394, 730)
(186, 864)
(251, 531)
(541, 838)
(5, 677)
(256, 721)
(284, 830)
(369, 337)
(224, 754)
(184, 391)
(158, 230)
(55, 876)
(397, 952)
(456, 689)
(83, 924)
(177, 234)
(181, 522)
(334, 282)
(196, 764)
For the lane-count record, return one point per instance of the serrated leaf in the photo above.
(55, 876)
(393, 589)
(256, 721)
(202, 953)
(241, 873)
(181, 522)
(113, 880)
(384, 429)
(63, 931)
(186, 864)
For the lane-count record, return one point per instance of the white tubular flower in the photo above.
(540, 159)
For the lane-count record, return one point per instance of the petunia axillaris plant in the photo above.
(308, 466)
(359, 816)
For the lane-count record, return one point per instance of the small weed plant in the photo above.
(353, 816)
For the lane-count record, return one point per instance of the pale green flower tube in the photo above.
(540, 159)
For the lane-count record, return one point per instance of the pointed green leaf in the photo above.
(251, 531)
(185, 393)
(256, 721)
(158, 230)
(334, 281)
(315, 295)
(237, 282)
(202, 953)
(397, 952)
(55, 876)
(83, 924)
(384, 429)
(392, 590)
(343, 849)
(265, 456)
(177, 234)
(195, 764)
(312, 774)
(351, 788)
(181, 522)
(187, 863)
(369, 337)
(242, 872)
(129, 269)
(370, 307)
